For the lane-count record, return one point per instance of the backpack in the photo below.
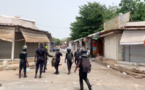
(86, 65)
(77, 54)
(69, 56)
(53, 62)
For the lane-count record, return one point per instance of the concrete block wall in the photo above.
(5, 49)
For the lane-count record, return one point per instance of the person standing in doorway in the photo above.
(69, 57)
(77, 55)
(85, 67)
(57, 60)
(41, 59)
(23, 61)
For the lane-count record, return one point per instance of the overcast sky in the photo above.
(54, 16)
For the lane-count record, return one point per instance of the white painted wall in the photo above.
(112, 47)
(87, 45)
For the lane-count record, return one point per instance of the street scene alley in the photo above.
(101, 78)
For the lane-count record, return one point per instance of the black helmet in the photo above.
(83, 51)
(57, 49)
(68, 50)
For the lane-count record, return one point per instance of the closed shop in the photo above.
(134, 49)
(112, 47)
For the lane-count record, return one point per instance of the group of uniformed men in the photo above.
(81, 61)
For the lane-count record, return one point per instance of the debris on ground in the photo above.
(75, 83)
(5, 63)
(46, 80)
(28, 69)
(108, 66)
(124, 73)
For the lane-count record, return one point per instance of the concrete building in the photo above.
(112, 48)
(133, 42)
(15, 33)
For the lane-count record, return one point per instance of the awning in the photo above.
(133, 37)
(78, 40)
(104, 35)
(34, 36)
(7, 34)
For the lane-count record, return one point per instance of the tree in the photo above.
(56, 41)
(110, 12)
(136, 7)
(93, 15)
(90, 20)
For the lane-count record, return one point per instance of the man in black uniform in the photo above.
(77, 55)
(69, 57)
(23, 61)
(57, 61)
(41, 59)
(85, 68)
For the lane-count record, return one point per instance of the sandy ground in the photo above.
(101, 77)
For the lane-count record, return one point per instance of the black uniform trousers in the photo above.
(57, 65)
(83, 76)
(22, 66)
(40, 64)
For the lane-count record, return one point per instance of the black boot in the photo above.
(88, 84)
(57, 72)
(40, 76)
(35, 75)
(82, 87)
(25, 75)
(19, 75)
(90, 87)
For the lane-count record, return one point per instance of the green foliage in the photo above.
(110, 12)
(93, 15)
(136, 7)
(90, 20)
(56, 41)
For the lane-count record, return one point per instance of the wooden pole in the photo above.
(13, 47)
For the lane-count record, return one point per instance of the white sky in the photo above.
(54, 16)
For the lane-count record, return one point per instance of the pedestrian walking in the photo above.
(68, 58)
(85, 67)
(23, 61)
(57, 61)
(47, 55)
(40, 59)
(77, 55)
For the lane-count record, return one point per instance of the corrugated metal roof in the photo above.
(135, 24)
(10, 25)
(120, 29)
(17, 21)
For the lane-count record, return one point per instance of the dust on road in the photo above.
(101, 77)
